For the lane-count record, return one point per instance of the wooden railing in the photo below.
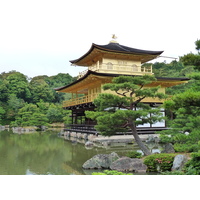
(80, 100)
(83, 128)
(90, 129)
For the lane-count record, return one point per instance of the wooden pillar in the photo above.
(72, 117)
(75, 118)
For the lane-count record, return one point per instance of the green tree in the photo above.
(4, 92)
(16, 89)
(124, 110)
(57, 81)
(186, 107)
(55, 113)
(191, 59)
(40, 90)
(197, 43)
(30, 115)
(13, 106)
(173, 69)
(43, 106)
(2, 112)
(18, 85)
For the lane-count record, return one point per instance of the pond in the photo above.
(44, 153)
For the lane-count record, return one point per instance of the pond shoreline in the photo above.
(98, 140)
(29, 129)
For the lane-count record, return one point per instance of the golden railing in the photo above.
(90, 98)
(80, 100)
(128, 69)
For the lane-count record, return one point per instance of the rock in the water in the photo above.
(101, 161)
(179, 162)
(126, 164)
(168, 148)
(89, 144)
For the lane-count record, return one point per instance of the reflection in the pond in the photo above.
(46, 153)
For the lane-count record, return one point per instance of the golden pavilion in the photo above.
(103, 62)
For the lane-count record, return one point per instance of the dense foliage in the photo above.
(26, 102)
(185, 124)
(192, 167)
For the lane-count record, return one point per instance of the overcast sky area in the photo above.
(39, 37)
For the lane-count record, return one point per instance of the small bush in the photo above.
(159, 162)
(180, 138)
(192, 167)
(187, 147)
(110, 172)
(173, 173)
(134, 154)
(165, 139)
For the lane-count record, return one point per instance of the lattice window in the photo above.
(109, 65)
(135, 68)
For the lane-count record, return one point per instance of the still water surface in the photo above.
(44, 153)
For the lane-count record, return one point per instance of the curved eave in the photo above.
(116, 47)
(120, 49)
(173, 80)
(82, 57)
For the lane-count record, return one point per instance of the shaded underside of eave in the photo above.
(83, 78)
(159, 79)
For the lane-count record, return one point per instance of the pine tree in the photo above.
(124, 110)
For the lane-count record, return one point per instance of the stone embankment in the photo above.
(19, 130)
(6, 127)
(32, 129)
(103, 140)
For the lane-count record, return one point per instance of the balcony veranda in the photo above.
(116, 69)
(80, 100)
(90, 98)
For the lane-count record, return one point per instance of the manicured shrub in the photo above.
(192, 167)
(187, 147)
(173, 173)
(180, 138)
(165, 139)
(110, 172)
(182, 142)
(159, 162)
(134, 154)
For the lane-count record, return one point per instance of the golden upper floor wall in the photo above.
(114, 58)
(116, 66)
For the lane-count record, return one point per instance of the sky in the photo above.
(40, 37)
